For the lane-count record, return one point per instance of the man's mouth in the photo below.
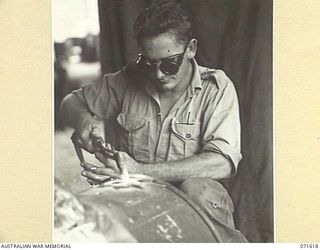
(163, 82)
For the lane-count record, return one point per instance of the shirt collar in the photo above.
(196, 82)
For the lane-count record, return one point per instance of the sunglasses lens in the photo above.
(169, 68)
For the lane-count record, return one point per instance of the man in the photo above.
(167, 116)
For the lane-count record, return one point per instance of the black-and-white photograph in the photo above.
(163, 121)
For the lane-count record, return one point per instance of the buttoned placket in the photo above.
(161, 149)
(156, 101)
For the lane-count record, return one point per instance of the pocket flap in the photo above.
(131, 122)
(186, 131)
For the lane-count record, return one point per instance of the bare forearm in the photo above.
(208, 164)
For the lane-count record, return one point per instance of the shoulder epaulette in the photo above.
(216, 76)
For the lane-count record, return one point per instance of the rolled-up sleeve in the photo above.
(104, 97)
(221, 124)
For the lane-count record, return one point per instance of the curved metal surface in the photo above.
(154, 212)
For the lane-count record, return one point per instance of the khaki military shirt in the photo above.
(204, 118)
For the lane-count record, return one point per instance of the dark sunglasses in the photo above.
(168, 65)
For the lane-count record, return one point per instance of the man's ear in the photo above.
(192, 48)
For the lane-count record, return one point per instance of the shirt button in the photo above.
(188, 135)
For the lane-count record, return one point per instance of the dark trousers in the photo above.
(214, 199)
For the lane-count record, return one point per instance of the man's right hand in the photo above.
(87, 130)
(97, 174)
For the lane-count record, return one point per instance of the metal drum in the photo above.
(152, 211)
(135, 208)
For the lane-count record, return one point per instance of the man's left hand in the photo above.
(112, 169)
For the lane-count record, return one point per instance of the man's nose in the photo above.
(158, 73)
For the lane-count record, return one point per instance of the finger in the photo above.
(95, 177)
(108, 162)
(110, 152)
(104, 171)
(87, 166)
(111, 163)
(104, 155)
(101, 157)
(98, 170)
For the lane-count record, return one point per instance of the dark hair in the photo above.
(164, 16)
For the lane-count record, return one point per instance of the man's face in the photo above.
(164, 46)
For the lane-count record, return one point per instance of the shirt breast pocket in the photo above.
(134, 136)
(184, 139)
